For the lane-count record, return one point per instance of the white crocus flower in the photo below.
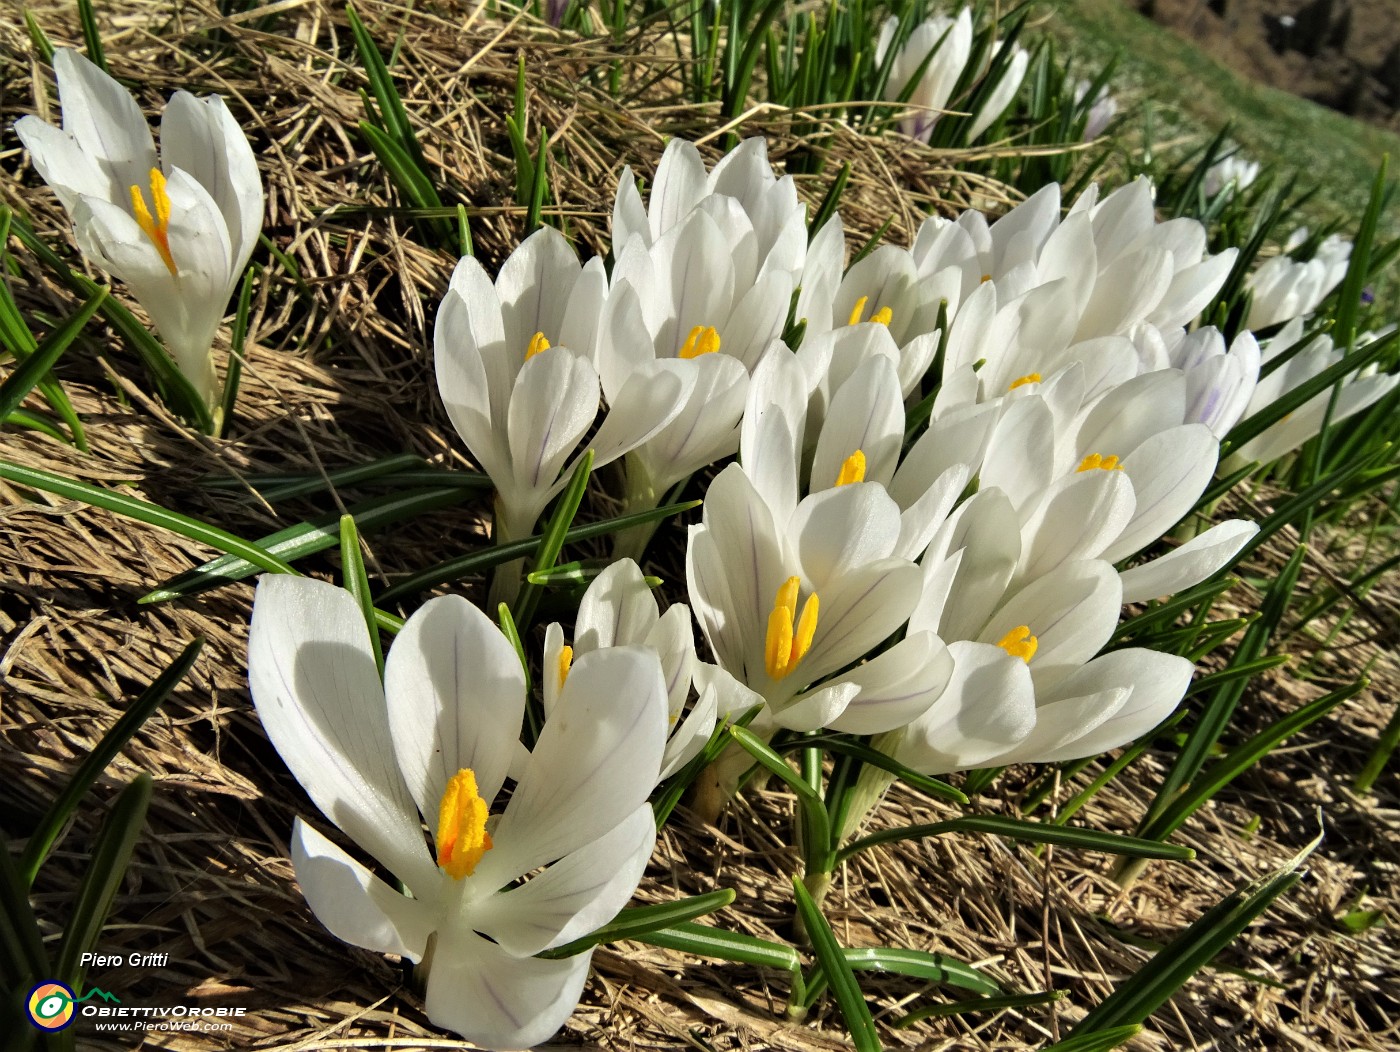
(1219, 383)
(432, 746)
(514, 369)
(1359, 391)
(950, 42)
(691, 303)
(1002, 95)
(1102, 109)
(1286, 288)
(1232, 173)
(178, 233)
(618, 609)
(785, 602)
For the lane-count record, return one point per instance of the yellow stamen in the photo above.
(156, 228)
(703, 339)
(853, 470)
(1093, 460)
(883, 316)
(538, 343)
(1020, 643)
(985, 278)
(566, 660)
(462, 836)
(1020, 381)
(789, 636)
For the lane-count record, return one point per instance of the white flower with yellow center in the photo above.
(433, 746)
(178, 232)
(786, 601)
(514, 368)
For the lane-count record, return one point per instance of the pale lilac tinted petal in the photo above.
(896, 687)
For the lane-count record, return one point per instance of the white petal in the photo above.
(456, 700)
(554, 403)
(840, 529)
(496, 1000)
(581, 892)
(317, 692)
(105, 120)
(1188, 565)
(355, 905)
(816, 709)
(596, 760)
(898, 686)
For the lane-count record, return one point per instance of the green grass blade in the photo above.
(1358, 268)
(1102, 1041)
(42, 44)
(643, 920)
(22, 953)
(35, 422)
(391, 109)
(1385, 747)
(46, 833)
(38, 365)
(831, 201)
(1244, 756)
(142, 511)
(455, 569)
(705, 941)
(875, 758)
(837, 970)
(539, 185)
(816, 824)
(110, 857)
(1031, 832)
(919, 964)
(234, 374)
(356, 582)
(286, 487)
(305, 538)
(92, 35)
(552, 540)
(1147, 990)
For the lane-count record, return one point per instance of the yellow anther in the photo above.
(883, 316)
(462, 837)
(852, 470)
(1020, 643)
(985, 278)
(1021, 381)
(789, 636)
(1093, 460)
(538, 342)
(566, 660)
(156, 227)
(703, 339)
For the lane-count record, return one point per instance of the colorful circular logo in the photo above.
(50, 1006)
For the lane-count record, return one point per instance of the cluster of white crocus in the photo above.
(933, 58)
(948, 589)
(178, 232)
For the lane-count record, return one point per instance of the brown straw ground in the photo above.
(339, 374)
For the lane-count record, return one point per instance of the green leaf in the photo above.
(1349, 295)
(1147, 990)
(703, 941)
(643, 920)
(1101, 1041)
(1358, 921)
(37, 366)
(356, 582)
(42, 44)
(1244, 756)
(1032, 832)
(22, 955)
(837, 970)
(539, 184)
(875, 758)
(305, 538)
(238, 351)
(105, 873)
(92, 35)
(456, 569)
(919, 964)
(552, 539)
(816, 822)
(46, 833)
(142, 511)
(391, 108)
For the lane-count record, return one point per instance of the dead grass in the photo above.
(340, 375)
